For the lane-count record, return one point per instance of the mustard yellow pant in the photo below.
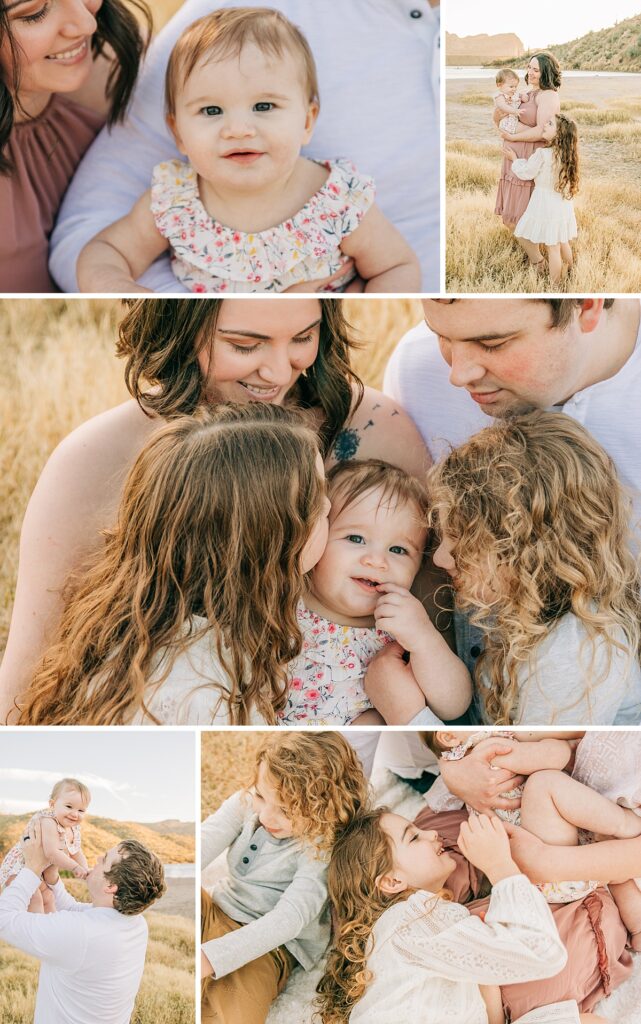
(245, 995)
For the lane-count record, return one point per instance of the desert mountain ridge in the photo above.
(617, 48)
(172, 841)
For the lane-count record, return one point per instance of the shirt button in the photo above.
(245, 860)
(253, 846)
(475, 651)
(416, 14)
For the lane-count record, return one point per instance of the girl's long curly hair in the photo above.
(536, 512)
(215, 514)
(320, 781)
(362, 853)
(162, 338)
(565, 151)
(118, 30)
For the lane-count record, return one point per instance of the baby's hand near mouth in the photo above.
(400, 613)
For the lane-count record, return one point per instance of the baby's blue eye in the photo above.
(212, 111)
(261, 108)
(396, 549)
(355, 538)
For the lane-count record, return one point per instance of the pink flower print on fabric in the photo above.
(326, 679)
(208, 256)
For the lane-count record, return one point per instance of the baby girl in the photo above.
(359, 600)
(246, 212)
(60, 824)
(554, 806)
(507, 100)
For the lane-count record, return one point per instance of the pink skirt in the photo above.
(514, 194)
(591, 929)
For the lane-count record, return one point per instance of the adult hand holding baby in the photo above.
(32, 850)
(477, 783)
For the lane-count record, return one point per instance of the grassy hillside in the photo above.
(617, 48)
(166, 993)
(100, 834)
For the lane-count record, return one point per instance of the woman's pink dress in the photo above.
(44, 152)
(514, 194)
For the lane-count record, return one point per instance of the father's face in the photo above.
(506, 353)
(96, 881)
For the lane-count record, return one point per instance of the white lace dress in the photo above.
(429, 957)
(610, 763)
(196, 689)
(14, 859)
(549, 217)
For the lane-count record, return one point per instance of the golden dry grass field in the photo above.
(482, 256)
(227, 765)
(59, 369)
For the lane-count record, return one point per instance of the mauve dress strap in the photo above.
(44, 152)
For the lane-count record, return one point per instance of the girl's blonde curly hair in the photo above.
(536, 513)
(319, 780)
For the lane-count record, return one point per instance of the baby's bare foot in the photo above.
(630, 824)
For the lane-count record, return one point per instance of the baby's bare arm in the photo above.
(80, 859)
(528, 757)
(502, 104)
(382, 256)
(51, 846)
(118, 255)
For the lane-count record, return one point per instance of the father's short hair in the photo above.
(139, 877)
(562, 309)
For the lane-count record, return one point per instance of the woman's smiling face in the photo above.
(533, 72)
(53, 41)
(260, 348)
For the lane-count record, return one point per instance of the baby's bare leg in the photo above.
(627, 897)
(493, 1003)
(36, 903)
(554, 807)
(48, 899)
(591, 1018)
(370, 717)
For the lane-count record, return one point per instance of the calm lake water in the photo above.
(180, 870)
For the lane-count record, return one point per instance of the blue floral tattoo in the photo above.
(346, 444)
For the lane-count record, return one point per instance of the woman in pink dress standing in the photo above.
(544, 75)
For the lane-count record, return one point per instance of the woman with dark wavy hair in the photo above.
(66, 67)
(182, 355)
(544, 77)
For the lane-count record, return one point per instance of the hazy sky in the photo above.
(539, 23)
(133, 776)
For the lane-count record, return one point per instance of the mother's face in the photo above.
(260, 348)
(533, 73)
(53, 41)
